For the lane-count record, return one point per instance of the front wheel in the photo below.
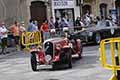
(33, 62)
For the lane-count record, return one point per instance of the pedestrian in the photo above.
(45, 29)
(3, 36)
(64, 27)
(22, 27)
(15, 29)
(52, 27)
(31, 26)
(77, 22)
(57, 28)
(22, 30)
(35, 25)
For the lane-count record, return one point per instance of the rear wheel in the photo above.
(69, 58)
(33, 62)
(80, 54)
(54, 67)
(97, 38)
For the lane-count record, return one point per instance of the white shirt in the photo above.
(2, 31)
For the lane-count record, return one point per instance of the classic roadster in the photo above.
(104, 29)
(56, 51)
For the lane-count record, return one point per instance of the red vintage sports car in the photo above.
(56, 51)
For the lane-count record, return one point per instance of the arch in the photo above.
(38, 11)
(103, 9)
(86, 9)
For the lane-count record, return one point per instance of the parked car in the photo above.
(104, 29)
(56, 51)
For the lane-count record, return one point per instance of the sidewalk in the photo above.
(11, 52)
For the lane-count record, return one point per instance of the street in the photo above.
(17, 67)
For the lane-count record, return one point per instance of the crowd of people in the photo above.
(16, 30)
(49, 28)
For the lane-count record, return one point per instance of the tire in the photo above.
(33, 62)
(80, 54)
(97, 38)
(54, 67)
(69, 58)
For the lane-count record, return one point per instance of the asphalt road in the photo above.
(17, 67)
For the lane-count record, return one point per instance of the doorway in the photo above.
(68, 14)
(38, 11)
(103, 10)
(86, 9)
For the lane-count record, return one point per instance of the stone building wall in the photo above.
(16, 10)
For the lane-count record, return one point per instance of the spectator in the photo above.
(35, 25)
(15, 29)
(3, 36)
(77, 22)
(57, 28)
(32, 27)
(64, 26)
(22, 27)
(45, 29)
(22, 30)
(52, 27)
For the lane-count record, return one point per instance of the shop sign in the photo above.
(63, 3)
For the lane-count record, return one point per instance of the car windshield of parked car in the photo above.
(105, 23)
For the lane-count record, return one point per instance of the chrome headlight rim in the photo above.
(48, 58)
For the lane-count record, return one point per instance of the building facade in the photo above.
(23, 10)
(71, 9)
(65, 8)
(99, 7)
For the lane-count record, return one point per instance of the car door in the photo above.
(106, 29)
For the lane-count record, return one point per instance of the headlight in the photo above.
(90, 33)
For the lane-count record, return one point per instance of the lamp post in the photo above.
(80, 2)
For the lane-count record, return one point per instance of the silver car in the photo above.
(103, 29)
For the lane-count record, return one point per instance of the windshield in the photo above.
(106, 23)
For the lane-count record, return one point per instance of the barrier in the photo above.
(31, 38)
(111, 47)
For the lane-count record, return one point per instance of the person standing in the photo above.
(31, 26)
(52, 27)
(64, 27)
(15, 29)
(45, 29)
(35, 25)
(22, 30)
(3, 36)
(57, 28)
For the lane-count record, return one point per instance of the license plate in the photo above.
(45, 66)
